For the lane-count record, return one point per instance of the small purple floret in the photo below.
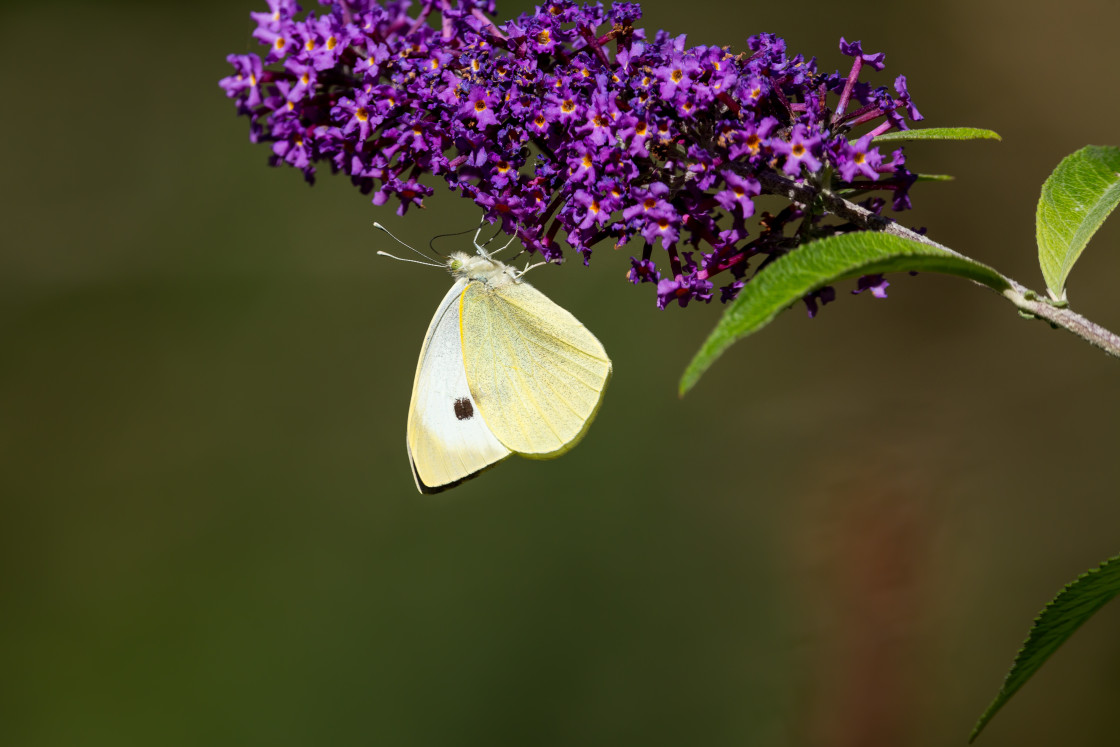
(825, 296)
(855, 49)
(874, 283)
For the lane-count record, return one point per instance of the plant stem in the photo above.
(1026, 300)
(1034, 305)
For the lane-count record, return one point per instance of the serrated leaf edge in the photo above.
(1003, 696)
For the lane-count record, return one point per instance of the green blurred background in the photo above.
(210, 533)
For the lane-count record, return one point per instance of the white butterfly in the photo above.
(503, 370)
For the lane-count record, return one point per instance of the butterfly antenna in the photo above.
(428, 260)
(406, 259)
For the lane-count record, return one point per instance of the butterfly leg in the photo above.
(530, 267)
(507, 245)
(481, 249)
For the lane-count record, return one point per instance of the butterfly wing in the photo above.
(535, 373)
(448, 440)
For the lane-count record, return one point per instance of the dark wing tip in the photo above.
(433, 489)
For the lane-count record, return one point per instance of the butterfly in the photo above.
(503, 370)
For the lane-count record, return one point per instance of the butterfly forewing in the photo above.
(536, 374)
(448, 440)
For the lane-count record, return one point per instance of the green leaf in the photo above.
(1075, 200)
(820, 263)
(937, 133)
(1075, 604)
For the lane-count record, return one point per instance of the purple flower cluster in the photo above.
(571, 119)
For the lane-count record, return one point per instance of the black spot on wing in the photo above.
(464, 410)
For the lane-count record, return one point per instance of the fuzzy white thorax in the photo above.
(482, 268)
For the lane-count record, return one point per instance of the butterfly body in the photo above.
(503, 370)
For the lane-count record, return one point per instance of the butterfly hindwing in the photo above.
(448, 440)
